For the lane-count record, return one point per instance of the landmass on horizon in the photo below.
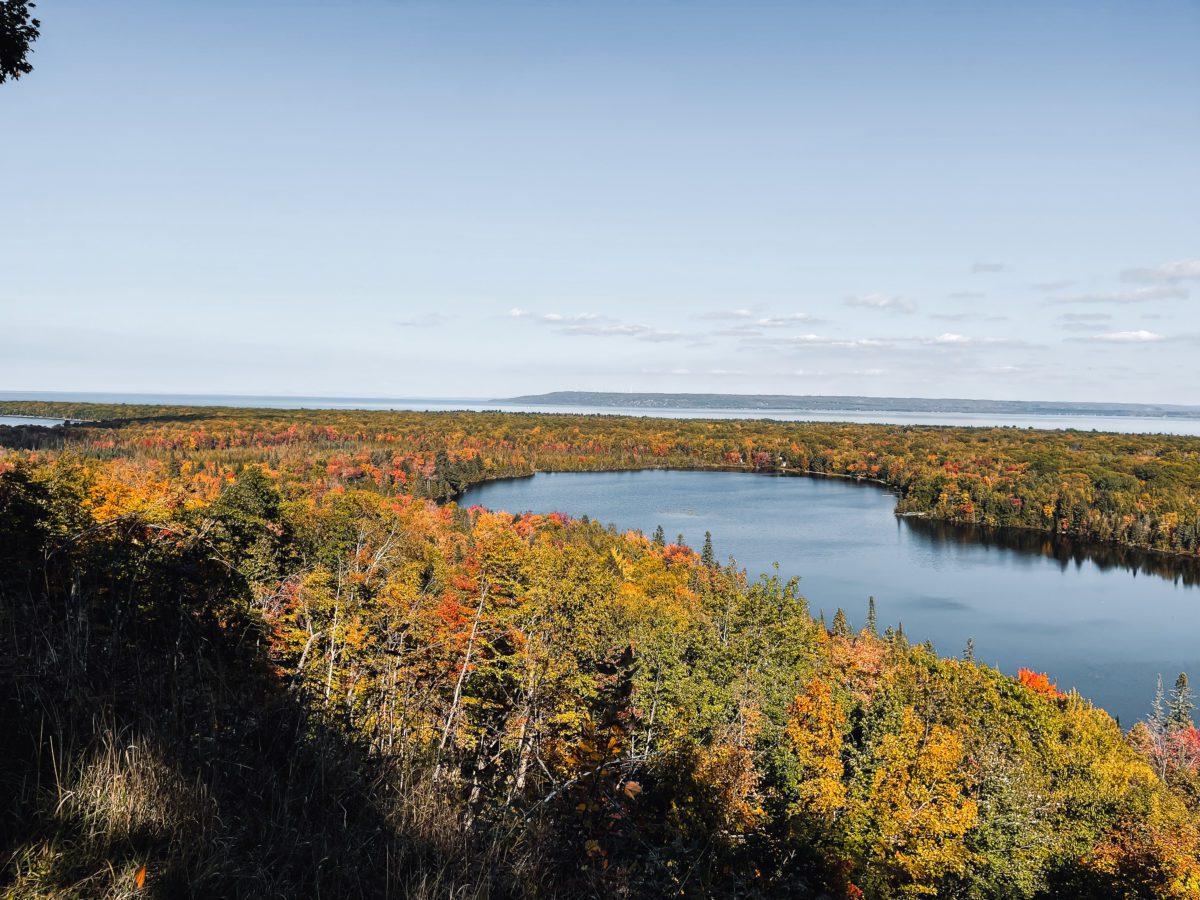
(851, 403)
(644, 400)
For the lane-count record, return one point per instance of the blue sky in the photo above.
(379, 198)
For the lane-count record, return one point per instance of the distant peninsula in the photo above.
(801, 403)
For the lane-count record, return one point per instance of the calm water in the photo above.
(1103, 620)
(29, 420)
(1120, 424)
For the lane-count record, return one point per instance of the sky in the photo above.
(378, 198)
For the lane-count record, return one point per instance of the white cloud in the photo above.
(789, 319)
(1137, 295)
(821, 340)
(953, 339)
(1167, 273)
(1083, 321)
(1128, 337)
(428, 320)
(606, 330)
(889, 302)
(558, 318)
(518, 313)
(988, 268)
(729, 314)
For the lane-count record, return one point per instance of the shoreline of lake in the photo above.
(1078, 610)
(1185, 561)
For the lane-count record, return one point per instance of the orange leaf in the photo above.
(139, 878)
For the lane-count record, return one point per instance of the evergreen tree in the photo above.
(872, 624)
(821, 621)
(969, 653)
(1181, 704)
(1158, 714)
(660, 536)
(707, 556)
(679, 539)
(841, 628)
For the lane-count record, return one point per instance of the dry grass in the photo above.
(106, 812)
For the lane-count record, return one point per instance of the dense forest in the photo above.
(1133, 490)
(247, 653)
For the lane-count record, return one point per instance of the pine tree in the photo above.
(872, 624)
(679, 540)
(660, 536)
(969, 653)
(1158, 709)
(707, 556)
(821, 621)
(1181, 704)
(841, 628)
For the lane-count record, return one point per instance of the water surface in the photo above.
(1103, 619)
(30, 420)
(1118, 424)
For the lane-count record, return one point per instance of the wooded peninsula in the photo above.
(254, 652)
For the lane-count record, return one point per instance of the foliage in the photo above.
(1137, 491)
(18, 30)
(248, 658)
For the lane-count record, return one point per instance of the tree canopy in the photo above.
(18, 30)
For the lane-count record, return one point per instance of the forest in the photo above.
(262, 653)
(1122, 489)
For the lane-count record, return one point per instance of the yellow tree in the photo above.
(914, 815)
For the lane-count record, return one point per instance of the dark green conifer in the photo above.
(841, 627)
(660, 536)
(1181, 704)
(707, 555)
(872, 624)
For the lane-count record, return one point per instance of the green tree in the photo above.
(707, 555)
(841, 627)
(1181, 704)
(872, 623)
(18, 30)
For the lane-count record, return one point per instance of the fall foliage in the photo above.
(247, 653)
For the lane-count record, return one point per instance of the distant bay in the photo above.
(1123, 423)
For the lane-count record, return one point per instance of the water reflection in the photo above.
(1064, 550)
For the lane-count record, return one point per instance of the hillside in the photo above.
(235, 654)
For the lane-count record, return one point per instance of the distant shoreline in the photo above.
(850, 403)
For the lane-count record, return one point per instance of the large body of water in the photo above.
(1104, 620)
(30, 420)
(1122, 424)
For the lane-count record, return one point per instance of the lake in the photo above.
(1101, 619)
(30, 420)
(1120, 424)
